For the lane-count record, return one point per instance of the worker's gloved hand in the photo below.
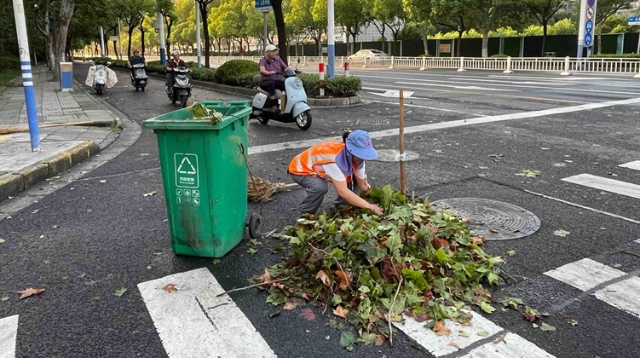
(376, 209)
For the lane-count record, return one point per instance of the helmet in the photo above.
(176, 53)
(270, 48)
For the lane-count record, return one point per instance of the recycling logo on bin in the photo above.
(186, 170)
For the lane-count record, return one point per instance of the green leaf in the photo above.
(364, 289)
(483, 334)
(336, 300)
(119, 292)
(442, 256)
(217, 261)
(347, 339)
(2, 241)
(394, 243)
(401, 213)
(417, 278)
(561, 233)
(463, 334)
(534, 325)
(277, 247)
(511, 253)
(294, 241)
(4, 299)
(252, 251)
(573, 322)
(487, 307)
(492, 278)
(337, 253)
(547, 328)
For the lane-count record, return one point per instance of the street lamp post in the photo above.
(163, 46)
(198, 20)
(331, 46)
(27, 76)
(101, 42)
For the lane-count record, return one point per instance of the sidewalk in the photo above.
(61, 146)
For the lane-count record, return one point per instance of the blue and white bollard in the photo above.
(27, 75)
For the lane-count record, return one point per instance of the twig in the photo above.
(391, 310)
(252, 286)
(218, 305)
(334, 259)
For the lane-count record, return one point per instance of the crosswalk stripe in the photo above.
(511, 346)
(623, 295)
(480, 329)
(610, 185)
(8, 336)
(584, 274)
(632, 165)
(195, 323)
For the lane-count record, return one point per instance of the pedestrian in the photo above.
(270, 80)
(342, 164)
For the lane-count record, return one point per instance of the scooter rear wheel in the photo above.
(303, 120)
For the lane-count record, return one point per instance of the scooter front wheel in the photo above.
(303, 120)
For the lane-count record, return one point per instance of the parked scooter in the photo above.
(292, 102)
(180, 91)
(100, 78)
(139, 77)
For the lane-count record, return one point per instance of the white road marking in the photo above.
(637, 241)
(444, 125)
(584, 274)
(194, 323)
(455, 87)
(394, 94)
(633, 165)
(8, 336)
(555, 83)
(512, 346)
(623, 295)
(610, 185)
(427, 107)
(439, 345)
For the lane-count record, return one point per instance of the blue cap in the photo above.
(359, 145)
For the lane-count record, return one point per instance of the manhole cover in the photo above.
(374, 121)
(492, 219)
(393, 155)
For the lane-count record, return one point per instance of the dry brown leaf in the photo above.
(30, 292)
(454, 344)
(440, 329)
(306, 297)
(265, 277)
(324, 278)
(170, 288)
(308, 314)
(290, 305)
(379, 340)
(500, 338)
(341, 312)
(344, 278)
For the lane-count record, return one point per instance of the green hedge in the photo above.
(500, 55)
(9, 63)
(622, 55)
(235, 72)
(343, 86)
(203, 74)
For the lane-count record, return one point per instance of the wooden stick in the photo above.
(251, 286)
(403, 184)
(10, 130)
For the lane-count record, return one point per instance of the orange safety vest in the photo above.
(319, 154)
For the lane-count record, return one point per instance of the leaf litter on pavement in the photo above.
(119, 292)
(30, 292)
(372, 270)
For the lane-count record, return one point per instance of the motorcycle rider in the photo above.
(270, 65)
(134, 60)
(171, 64)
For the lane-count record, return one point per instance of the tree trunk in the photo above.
(382, 32)
(129, 44)
(459, 44)
(485, 43)
(600, 40)
(544, 38)
(64, 20)
(425, 43)
(142, 32)
(282, 32)
(169, 23)
(205, 25)
(318, 46)
(51, 60)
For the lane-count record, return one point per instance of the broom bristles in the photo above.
(260, 190)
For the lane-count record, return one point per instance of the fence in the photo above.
(549, 64)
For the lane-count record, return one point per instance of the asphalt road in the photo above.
(473, 131)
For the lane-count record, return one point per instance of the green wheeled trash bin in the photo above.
(204, 174)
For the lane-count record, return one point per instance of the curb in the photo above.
(13, 183)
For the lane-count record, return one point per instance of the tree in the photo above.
(302, 15)
(543, 11)
(352, 16)
(280, 25)
(167, 9)
(563, 27)
(203, 5)
(606, 9)
(387, 14)
(488, 14)
(456, 15)
(419, 12)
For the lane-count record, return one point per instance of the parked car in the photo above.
(368, 54)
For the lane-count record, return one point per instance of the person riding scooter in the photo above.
(134, 60)
(270, 81)
(171, 64)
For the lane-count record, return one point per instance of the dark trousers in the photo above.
(316, 188)
(272, 86)
(169, 81)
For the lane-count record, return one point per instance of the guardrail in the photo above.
(545, 64)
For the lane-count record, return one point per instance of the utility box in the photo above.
(66, 76)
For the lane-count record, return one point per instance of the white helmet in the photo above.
(270, 48)
(176, 53)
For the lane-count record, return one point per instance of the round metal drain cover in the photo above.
(495, 220)
(393, 155)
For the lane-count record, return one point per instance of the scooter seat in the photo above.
(262, 91)
(279, 93)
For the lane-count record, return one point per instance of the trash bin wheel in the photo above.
(255, 224)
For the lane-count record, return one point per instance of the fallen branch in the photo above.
(251, 286)
(391, 310)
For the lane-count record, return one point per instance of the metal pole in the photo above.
(163, 46)
(101, 42)
(27, 76)
(265, 35)
(120, 39)
(199, 50)
(331, 45)
(403, 180)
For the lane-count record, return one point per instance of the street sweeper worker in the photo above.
(342, 164)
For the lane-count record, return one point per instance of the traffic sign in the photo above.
(589, 26)
(263, 6)
(590, 13)
(588, 39)
(634, 20)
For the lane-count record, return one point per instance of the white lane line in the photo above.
(584, 274)
(439, 345)
(512, 346)
(8, 336)
(633, 165)
(610, 185)
(432, 108)
(444, 125)
(637, 241)
(623, 295)
(455, 87)
(188, 325)
(514, 82)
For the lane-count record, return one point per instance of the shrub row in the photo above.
(9, 63)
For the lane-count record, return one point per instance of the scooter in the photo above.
(100, 78)
(139, 77)
(180, 91)
(292, 102)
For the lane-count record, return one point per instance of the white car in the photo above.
(368, 54)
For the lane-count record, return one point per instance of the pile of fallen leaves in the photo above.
(372, 270)
(200, 112)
